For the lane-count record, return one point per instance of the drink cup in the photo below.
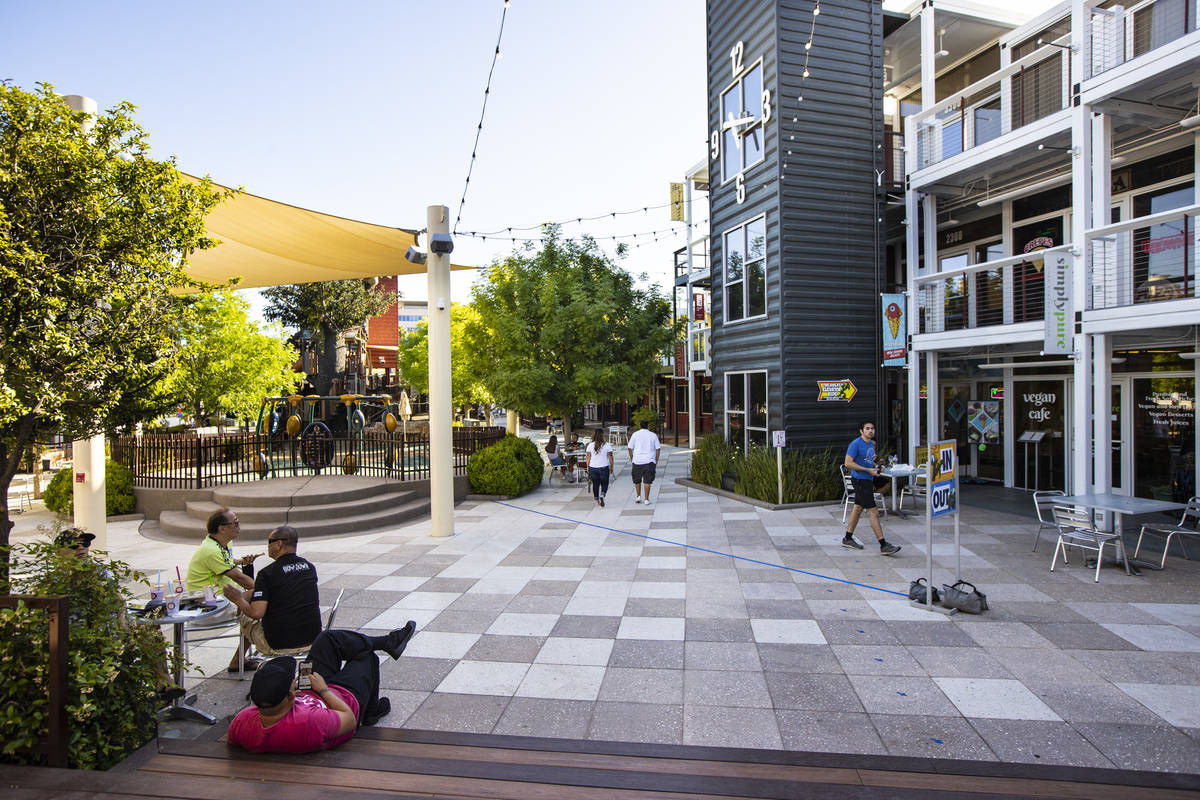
(178, 587)
(157, 593)
(210, 596)
(172, 605)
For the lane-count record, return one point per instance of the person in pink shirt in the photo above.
(344, 693)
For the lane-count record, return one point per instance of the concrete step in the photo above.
(314, 490)
(183, 525)
(386, 498)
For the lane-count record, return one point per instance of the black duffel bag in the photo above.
(916, 591)
(971, 602)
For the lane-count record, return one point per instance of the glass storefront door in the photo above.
(1040, 405)
(985, 430)
(1164, 419)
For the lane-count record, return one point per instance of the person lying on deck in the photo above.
(344, 694)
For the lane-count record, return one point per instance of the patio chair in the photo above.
(916, 488)
(1186, 527)
(1076, 529)
(1043, 503)
(302, 652)
(848, 494)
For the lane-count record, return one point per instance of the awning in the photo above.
(268, 243)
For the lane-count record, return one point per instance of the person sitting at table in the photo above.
(555, 455)
(282, 613)
(213, 564)
(574, 462)
(344, 694)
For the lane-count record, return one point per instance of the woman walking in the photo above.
(600, 465)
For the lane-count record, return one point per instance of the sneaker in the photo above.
(397, 640)
(602, 501)
(888, 549)
(849, 541)
(377, 712)
(637, 500)
(646, 501)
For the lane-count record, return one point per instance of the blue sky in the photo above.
(369, 109)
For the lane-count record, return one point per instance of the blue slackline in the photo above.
(702, 549)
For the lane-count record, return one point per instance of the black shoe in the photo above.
(889, 549)
(397, 640)
(849, 541)
(381, 709)
(602, 502)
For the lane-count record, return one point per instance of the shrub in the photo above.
(712, 458)
(118, 490)
(648, 414)
(512, 466)
(809, 476)
(114, 668)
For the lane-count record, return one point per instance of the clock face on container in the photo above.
(738, 142)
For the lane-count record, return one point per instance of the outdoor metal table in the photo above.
(577, 454)
(1119, 505)
(899, 471)
(178, 708)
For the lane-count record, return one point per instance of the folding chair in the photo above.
(915, 488)
(1186, 527)
(848, 494)
(1043, 502)
(1076, 529)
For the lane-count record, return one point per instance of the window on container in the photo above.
(746, 270)
(746, 408)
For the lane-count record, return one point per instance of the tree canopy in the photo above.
(412, 359)
(562, 325)
(94, 237)
(226, 363)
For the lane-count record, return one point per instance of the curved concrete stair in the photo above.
(317, 506)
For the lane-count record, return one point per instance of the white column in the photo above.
(911, 258)
(441, 456)
(1101, 405)
(88, 494)
(512, 422)
(933, 397)
(1082, 205)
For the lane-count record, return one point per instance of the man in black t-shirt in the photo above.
(282, 612)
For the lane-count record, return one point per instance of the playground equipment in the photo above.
(309, 443)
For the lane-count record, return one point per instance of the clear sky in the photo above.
(368, 109)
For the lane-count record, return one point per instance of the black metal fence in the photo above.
(190, 461)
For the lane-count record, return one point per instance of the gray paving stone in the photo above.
(1003, 634)
(463, 621)
(525, 560)
(554, 588)
(931, 737)
(537, 604)
(1038, 742)
(901, 695)
(808, 658)
(876, 659)
(778, 609)
(467, 713)
(586, 627)
(655, 607)
(857, 632)
(721, 655)
(521, 649)
(457, 585)
(404, 703)
(559, 719)
(1080, 636)
(625, 685)
(415, 674)
(731, 727)
(479, 602)
(958, 662)
(1032, 665)
(637, 722)
(1149, 747)
(1090, 702)
(718, 630)
(829, 732)
(646, 654)
(813, 692)
(726, 688)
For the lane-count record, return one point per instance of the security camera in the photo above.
(415, 256)
(441, 243)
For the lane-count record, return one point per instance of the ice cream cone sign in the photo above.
(893, 314)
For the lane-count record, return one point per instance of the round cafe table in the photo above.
(179, 709)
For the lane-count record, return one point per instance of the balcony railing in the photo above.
(1029, 89)
(998, 292)
(1118, 33)
(1144, 260)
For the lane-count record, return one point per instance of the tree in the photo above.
(326, 309)
(562, 325)
(94, 237)
(226, 363)
(412, 359)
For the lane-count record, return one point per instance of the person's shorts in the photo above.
(864, 492)
(557, 461)
(643, 473)
(252, 629)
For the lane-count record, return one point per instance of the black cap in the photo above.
(272, 681)
(74, 537)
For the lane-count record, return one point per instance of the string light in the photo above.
(570, 220)
(654, 235)
(487, 90)
(805, 74)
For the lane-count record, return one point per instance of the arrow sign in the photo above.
(840, 391)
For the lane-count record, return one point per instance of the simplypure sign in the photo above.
(1060, 311)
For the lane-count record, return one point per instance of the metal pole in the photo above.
(689, 309)
(441, 457)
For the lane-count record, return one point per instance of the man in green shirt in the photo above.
(213, 564)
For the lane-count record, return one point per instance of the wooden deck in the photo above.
(423, 764)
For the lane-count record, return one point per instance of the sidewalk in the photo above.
(700, 620)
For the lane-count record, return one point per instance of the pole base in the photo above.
(949, 612)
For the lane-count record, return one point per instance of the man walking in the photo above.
(644, 451)
(860, 460)
(282, 612)
(344, 694)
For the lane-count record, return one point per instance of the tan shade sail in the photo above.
(267, 243)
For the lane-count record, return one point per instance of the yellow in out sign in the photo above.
(942, 460)
(677, 202)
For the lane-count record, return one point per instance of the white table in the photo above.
(178, 708)
(618, 430)
(899, 471)
(1119, 505)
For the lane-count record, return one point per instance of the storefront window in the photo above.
(1164, 421)
(989, 286)
(1029, 276)
(1162, 266)
(746, 270)
(746, 408)
(1040, 407)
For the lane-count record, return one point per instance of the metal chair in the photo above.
(21, 489)
(916, 486)
(302, 652)
(1076, 529)
(1043, 502)
(1187, 527)
(848, 494)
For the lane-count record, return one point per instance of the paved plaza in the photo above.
(703, 620)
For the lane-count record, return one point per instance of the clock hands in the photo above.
(731, 122)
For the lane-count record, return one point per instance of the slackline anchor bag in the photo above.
(916, 591)
(971, 602)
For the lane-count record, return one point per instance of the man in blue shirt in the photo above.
(860, 460)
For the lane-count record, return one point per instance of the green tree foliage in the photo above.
(114, 667)
(94, 238)
(226, 363)
(561, 326)
(412, 358)
(512, 467)
(326, 309)
(118, 490)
